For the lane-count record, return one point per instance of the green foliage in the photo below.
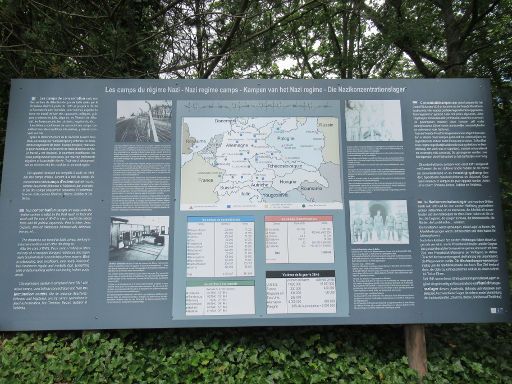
(457, 354)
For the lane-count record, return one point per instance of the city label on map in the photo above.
(214, 298)
(301, 292)
(299, 239)
(260, 163)
(220, 246)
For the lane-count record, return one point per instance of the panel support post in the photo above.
(416, 348)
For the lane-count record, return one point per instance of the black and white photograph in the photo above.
(143, 121)
(139, 238)
(379, 222)
(373, 120)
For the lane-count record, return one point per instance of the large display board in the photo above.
(198, 203)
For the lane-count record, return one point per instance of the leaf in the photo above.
(457, 366)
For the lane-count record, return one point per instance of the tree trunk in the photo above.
(452, 35)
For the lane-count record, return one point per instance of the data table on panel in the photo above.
(220, 297)
(301, 292)
(299, 239)
(220, 246)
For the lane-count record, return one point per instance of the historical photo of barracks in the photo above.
(139, 238)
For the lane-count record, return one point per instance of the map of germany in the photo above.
(260, 163)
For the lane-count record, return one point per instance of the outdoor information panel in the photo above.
(202, 203)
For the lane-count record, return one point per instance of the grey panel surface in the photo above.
(209, 98)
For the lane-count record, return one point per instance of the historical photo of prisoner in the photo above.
(139, 238)
(373, 120)
(143, 121)
(379, 222)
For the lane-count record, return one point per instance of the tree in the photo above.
(439, 36)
